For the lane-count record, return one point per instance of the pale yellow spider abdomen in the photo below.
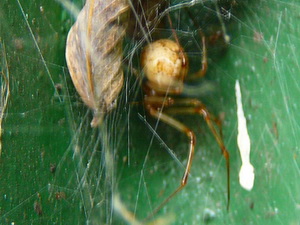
(164, 64)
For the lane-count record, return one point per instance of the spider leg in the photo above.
(191, 102)
(199, 108)
(192, 141)
(201, 73)
(203, 70)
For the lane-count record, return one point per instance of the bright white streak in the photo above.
(246, 175)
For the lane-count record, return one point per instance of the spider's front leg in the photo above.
(193, 106)
(192, 141)
(186, 106)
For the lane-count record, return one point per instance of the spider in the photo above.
(165, 66)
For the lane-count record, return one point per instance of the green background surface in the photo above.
(48, 127)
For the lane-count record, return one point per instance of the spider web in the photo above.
(56, 169)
